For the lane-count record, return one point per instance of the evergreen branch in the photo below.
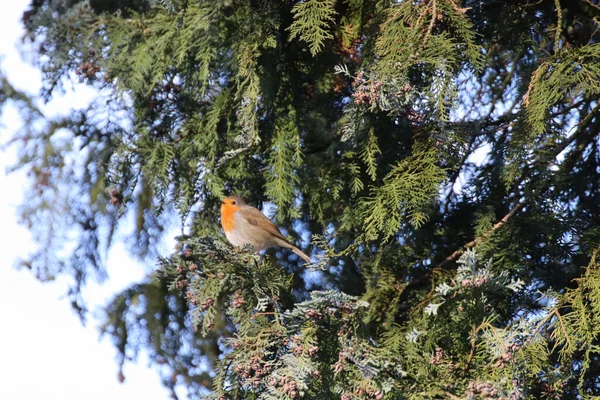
(558, 26)
(479, 239)
(565, 110)
(452, 396)
(229, 154)
(311, 22)
(591, 3)
(406, 193)
(577, 134)
(559, 149)
(473, 347)
(539, 327)
(431, 22)
(534, 78)
(562, 326)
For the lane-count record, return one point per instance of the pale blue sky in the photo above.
(45, 352)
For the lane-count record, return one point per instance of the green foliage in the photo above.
(433, 34)
(284, 160)
(406, 193)
(319, 349)
(575, 330)
(312, 19)
(571, 73)
(369, 155)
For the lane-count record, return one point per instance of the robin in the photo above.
(244, 224)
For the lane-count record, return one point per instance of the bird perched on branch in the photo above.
(244, 224)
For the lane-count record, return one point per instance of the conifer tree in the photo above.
(438, 159)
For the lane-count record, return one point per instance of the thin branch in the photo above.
(431, 23)
(538, 328)
(452, 396)
(559, 149)
(420, 19)
(579, 130)
(228, 155)
(596, 6)
(534, 78)
(558, 26)
(562, 327)
(479, 239)
(575, 104)
(473, 347)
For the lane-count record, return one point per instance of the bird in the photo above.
(244, 224)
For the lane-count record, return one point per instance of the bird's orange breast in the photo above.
(227, 218)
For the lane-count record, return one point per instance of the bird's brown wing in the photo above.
(255, 217)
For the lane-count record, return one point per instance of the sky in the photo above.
(45, 351)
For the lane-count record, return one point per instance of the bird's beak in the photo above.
(222, 201)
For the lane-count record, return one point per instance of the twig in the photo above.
(263, 313)
(539, 326)
(558, 26)
(479, 239)
(534, 77)
(559, 149)
(579, 131)
(228, 155)
(596, 6)
(567, 109)
(421, 15)
(431, 23)
(451, 396)
(473, 347)
(562, 326)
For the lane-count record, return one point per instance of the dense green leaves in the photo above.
(405, 195)
(575, 72)
(312, 20)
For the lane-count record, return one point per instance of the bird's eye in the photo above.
(234, 202)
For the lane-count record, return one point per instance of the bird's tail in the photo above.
(300, 253)
(284, 243)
